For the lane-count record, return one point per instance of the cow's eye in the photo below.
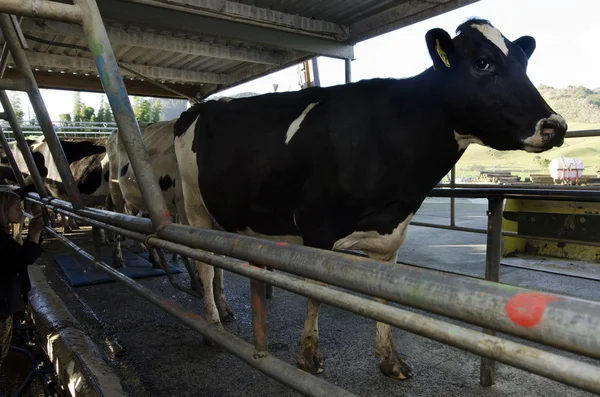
(482, 64)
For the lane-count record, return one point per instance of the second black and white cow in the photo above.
(347, 167)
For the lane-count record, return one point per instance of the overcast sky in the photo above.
(567, 35)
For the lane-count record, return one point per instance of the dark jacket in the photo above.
(14, 278)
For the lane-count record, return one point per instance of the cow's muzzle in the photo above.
(549, 132)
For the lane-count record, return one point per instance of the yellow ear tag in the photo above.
(441, 53)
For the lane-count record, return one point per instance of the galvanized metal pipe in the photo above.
(258, 297)
(42, 9)
(129, 131)
(492, 273)
(11, 158)
(140, 225)
(562, 369)
(348, 70)
(582, 133)
(452, 199)
(284, 373)
(39, 107)
(561, 321)
(38, 181)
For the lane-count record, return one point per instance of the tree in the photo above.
(108, 116)
(142, 109)
(77, 106)
(156, 111)
(101, 117)
(15, 101)
(64, 117)
(87, 113)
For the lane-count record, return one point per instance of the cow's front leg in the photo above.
(211, 313)
(309, 357)
(390, 363)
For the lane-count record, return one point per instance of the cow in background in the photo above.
(124, 191)
(346, 167)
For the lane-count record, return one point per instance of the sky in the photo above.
(567, 35)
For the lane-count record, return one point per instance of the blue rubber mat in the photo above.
(81, 272)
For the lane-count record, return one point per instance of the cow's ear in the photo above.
(527, 44)
(441, 48)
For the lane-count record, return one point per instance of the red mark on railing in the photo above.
(526, 309)
(233, 243)
(280, 244)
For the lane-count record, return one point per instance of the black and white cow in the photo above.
(87, 160)
(124, 190)
(347, 167)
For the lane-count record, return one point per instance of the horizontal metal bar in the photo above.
(59, 62)
(284, 373)
(562, 369)
(568, 323)
(42, 9)
(506, 234)
(519, 187)
(582, 133)
(518, 193)
(13, 84)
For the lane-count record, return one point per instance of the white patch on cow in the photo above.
(535, 143)
(286, 239)
(493, 35)
(375, 245)
(295, 126)
(464, 141)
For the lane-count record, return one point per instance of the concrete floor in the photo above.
(164, 358)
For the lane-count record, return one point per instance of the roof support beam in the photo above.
(80, 82)
(87, 65)
(402, 15)
(186, 20)
(42, 9)
(233, 11)
(159, 42)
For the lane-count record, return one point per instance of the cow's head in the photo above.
(486, 92)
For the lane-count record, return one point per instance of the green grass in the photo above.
(478, 157)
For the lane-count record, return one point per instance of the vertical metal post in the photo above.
(18, 54)
(453, 199)
(22, 144)
(11, 158)
(129, 130)
(259, 314)
(315, 72)
(492, 273)
(348, 70)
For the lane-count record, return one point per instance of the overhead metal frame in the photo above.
(195, 48)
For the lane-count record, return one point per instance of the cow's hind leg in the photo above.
(225, 312)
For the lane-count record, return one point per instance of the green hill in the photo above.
(579, 105)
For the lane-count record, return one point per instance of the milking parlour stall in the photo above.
(194, 256)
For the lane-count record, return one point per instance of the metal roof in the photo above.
(199, 47)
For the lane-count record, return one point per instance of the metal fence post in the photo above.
(492, 273)
(348, 70)
(259, 314)
(22, 145)
(129, 130)
(18, 54)
(453, 199)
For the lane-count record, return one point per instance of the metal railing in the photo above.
(568, 323)
(65, 129)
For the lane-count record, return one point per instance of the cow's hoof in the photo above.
(225, 313)
(310, 360)
(118, 263)
(395, 368)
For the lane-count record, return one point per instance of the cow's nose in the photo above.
(553, 126)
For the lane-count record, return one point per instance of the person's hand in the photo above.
(36, 225)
